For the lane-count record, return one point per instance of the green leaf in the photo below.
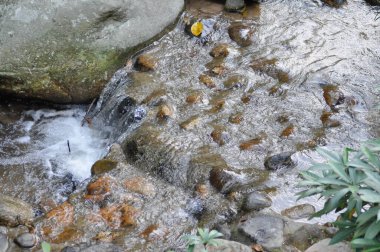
(364, 243)
(305, 183)
(345, 154)
(372, 158)
(213, 243)
(45, 247)
(214, 234)
(329, 155)
(358, 163)
(331, 181)
(369, 195)
(333, 202)
(339, 170)
(375, 249)
(368, 215)
(342, 235)
(310, 192)
(372, 230)
(190, 248)
(310, 176)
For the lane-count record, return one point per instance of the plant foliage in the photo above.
(350, 184)
(204, 237)
(45, 247)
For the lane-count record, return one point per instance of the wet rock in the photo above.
(102, 166)
(279, 161)
(302, 235)
(257, 201)
(220, 50)
(236, 119)
(227, 180)
(193, 98)
(265, 230)
(234, 5)
(235, 81)
(207, 80)
(190, 123)
(282, 119)
(145, 63)
(154, 98)
(324, 246)
(103, 247)
(218, 106)
(241, 34)
(115, 153)
(299, 211)
(4, 244)
(220, 136)
(202, 191)
(335, 3)
(268, 67)
(276, 91)
(61, 216)
(26, 240)
(99, 189)
(287, 131)
(327, 121)
(118, 216)
(246, 98)
(216, 66)
(62, 50)
(140, 185)
(14, 212)
(165, 111)
(332, 95)
(249, 144)
(225, 246)
(69, 234)
(195, 207)
(70, 249)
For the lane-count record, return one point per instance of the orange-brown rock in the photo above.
(69, 234)
(190, 123)
(207, 80)
(147, 231)
(332, 95)
(220, 50)
(288, 131)
(128, 216)
(119, 215)
(140, 185)
(99, 189)
(62, 215)
(327, 121)
(107, 236)
(201, 190)
(247, 145)
(146, 62)
(219, 136)
(218, 106)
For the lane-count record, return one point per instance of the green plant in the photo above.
(350, 183)
(45, 247)
(204, 237)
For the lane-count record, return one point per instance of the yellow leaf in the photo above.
(197, 28)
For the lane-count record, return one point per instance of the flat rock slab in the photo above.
(265, 230)
(65, 51)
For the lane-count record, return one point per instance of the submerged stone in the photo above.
(26, 240)
(257, 201)
(279, 161)
(241, 34)
(335, 3)
(102, 166)
(220, 50)
(299, 211)
(145, 63)
(206, 80)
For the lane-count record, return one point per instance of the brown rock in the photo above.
(218, 106)
(165, 111)
(207, 80)
(62, 215)
(107, 236)
(235, 81)
(241, 34)
(268, 67)
(334, 3)
(69, 234)
(247, 145)
(220, 50)
(146, 62)
(140, 185)
(190, 123)
(246, 98)
(154, 98)
(128, 215)
(102, 166)
(332, 95)
(216, 66)
(219, 136)
(193, 98)
(288, 131)
(147, 231)
(327, 121)
(99, 189)
(202, 190)
(236, 119)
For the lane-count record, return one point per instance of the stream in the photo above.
(310, 78)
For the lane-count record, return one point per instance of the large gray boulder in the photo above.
(65, 51)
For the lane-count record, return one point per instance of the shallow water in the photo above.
(313, 44)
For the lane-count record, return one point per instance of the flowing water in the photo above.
(313, 49)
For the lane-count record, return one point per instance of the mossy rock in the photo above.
(102, 166)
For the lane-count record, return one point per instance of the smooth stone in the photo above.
(66, 51)
(279, 161)
(14, 212)
(234, 5)
(103, 166)
(335, 3)
(224, 246)
(241, 34)
(299, 211)
(265, 230)
(325, 247)
(303, 235)
(257, 201)
(4, 244)
(26, 240)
